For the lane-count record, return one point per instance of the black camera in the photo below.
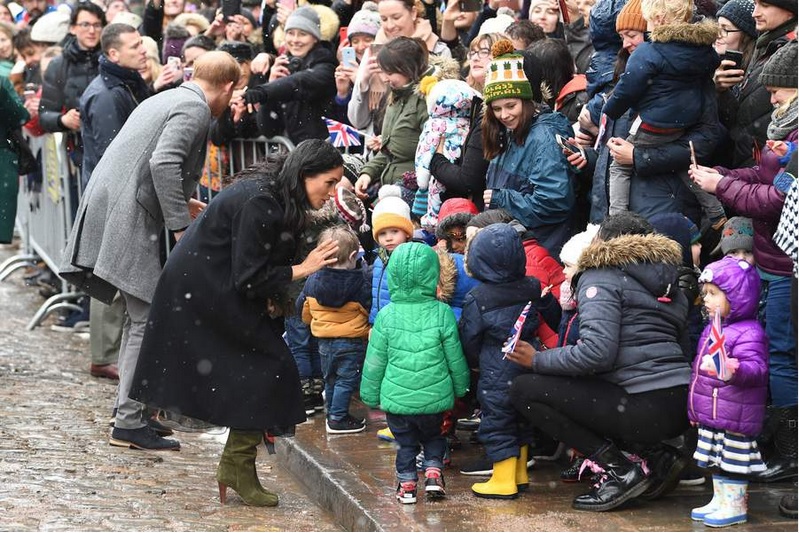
(295, 64)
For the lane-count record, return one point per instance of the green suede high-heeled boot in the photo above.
(237, 470)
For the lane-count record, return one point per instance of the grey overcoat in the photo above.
(141, 184)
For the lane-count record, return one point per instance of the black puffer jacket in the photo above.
(296, 104)
(496, 258)
(746, 109)
(66, 78)
(632, 317)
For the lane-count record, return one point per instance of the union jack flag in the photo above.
(341, 134)
(716, 348)
(516, 331)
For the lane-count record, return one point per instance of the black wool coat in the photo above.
(211, 351)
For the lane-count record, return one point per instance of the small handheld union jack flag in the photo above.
(516, 331)
(341, 134)
(716, 348)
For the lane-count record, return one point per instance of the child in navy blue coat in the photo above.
(495, 257)
(663, 83)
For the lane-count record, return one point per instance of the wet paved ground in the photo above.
(360, 470)
(57, 471)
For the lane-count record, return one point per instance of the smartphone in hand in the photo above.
(735, 56)
(467, 6)
(348, 58)
(230, 8)
(566, 145)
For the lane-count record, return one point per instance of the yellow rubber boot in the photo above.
(502, 484)
(522, 479)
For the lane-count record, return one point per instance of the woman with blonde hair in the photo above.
(7, 52)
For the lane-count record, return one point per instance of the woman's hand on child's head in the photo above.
(323, 255)
(523, 354)
(440, 147)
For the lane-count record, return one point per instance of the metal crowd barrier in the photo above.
(44, 220)
(45, 213)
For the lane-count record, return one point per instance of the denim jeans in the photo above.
(413, 432)
(781, 341)
(303, 347)
(342, 360)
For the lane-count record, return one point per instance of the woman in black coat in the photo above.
(213, 348)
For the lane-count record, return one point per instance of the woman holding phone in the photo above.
(359, 35)
(301, 83)
(399, 18)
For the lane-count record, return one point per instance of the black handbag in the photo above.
(26, 160)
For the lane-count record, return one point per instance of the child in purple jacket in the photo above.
(730, 412)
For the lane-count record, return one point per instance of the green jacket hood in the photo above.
(413, 273)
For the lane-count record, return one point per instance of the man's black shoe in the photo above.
(144, 438)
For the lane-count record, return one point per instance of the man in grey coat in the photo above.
(142, 184)
(105, 106)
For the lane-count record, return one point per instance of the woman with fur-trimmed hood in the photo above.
(626, 381)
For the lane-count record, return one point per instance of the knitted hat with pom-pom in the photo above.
(505, 77)
(365, 22)
(351, 209)
(391, 211)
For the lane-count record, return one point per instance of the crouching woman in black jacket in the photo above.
(301, 83)
(625, 383)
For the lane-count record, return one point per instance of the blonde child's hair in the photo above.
(346, 239)
(783, 108)
(671, 11)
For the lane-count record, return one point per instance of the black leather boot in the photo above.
(665, 463)
(782, 466)
(788, 507)
(622, 480)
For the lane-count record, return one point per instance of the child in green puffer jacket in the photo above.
(414, 367)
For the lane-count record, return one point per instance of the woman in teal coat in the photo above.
(528, 175)
(14, 115)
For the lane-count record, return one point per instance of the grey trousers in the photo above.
(619, 179)
(105, 327)
(130, 413)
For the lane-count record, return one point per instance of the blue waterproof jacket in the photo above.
(496, 258)
(533, 182)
